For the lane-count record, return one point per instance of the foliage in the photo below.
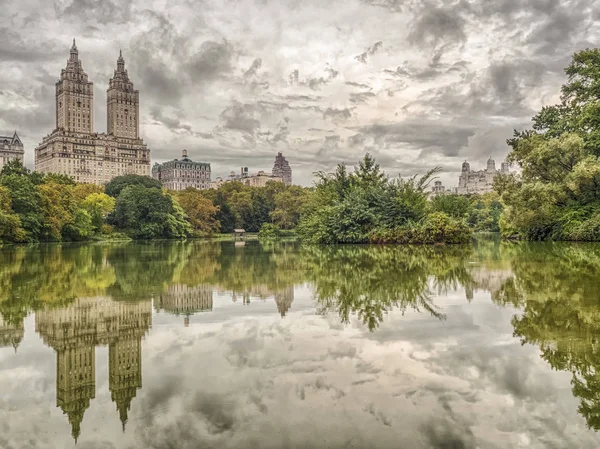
(364, 207)
(558, 195)
(200, 211)
(98, 205)
(149, 213)
(241, 206)
(120, 183)
(269, 231)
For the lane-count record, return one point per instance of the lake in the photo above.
(274, 345)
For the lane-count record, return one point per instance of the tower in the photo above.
(74, 97)
(491, 165)
(122, 104)
(463, 179)
(282, 169)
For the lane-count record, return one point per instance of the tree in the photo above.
(98, 206)
(118, 184)
(558, 194)
(58, 208)
(200, 211)
(456, 206)
(148, 213)
(288, 206)
(26, 203)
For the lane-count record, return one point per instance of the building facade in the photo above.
(181, 174)
(282, 169)
(481, 181)
(11, 148)
(438, 189)
(259, 179)
(74, 149)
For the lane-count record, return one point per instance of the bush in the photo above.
(269, 231)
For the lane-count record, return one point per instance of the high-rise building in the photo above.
(74, 149)
(11, 148)
(282, 169)
(179, 174)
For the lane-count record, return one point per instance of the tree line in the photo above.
(357, 207)
(38, 207)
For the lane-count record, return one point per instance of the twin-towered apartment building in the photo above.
(73, 148)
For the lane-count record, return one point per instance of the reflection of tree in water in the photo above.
(370, 281)
(558, 287)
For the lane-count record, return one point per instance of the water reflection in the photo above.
(89, 296)
(557, 287)
(75, 331)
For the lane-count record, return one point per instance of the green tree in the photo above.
(200, 211)
(558, 194)
(457, 206)
(98, 206)
(26, 203)
(148, 213)
(118, 184)
(289, 204)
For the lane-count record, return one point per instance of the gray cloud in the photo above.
(256, 64)
(360, 85)
(361, 97)
(337, 115)
(314, 83)
(104, 12)
(438, 26)
(213, 59)
(369, 52)
(241, 117)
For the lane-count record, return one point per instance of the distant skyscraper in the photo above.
(74, 149)
(11, 148)
(282, 169)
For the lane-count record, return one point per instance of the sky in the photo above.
(417, 83)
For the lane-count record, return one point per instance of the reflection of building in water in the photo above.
(74, 332)
(11, 334)
(283, 298)
(489, 280)
(180, 299)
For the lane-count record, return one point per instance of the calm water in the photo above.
(202, 345)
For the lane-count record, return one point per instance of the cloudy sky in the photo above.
(418, 83)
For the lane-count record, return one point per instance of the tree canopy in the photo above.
(557, 196)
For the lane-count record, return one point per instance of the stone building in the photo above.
(439, 189)
(259, 179)
(181, 174)
(74, 332)
(11, 148)
(74, 149)
(481, 181)
(282, 169)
